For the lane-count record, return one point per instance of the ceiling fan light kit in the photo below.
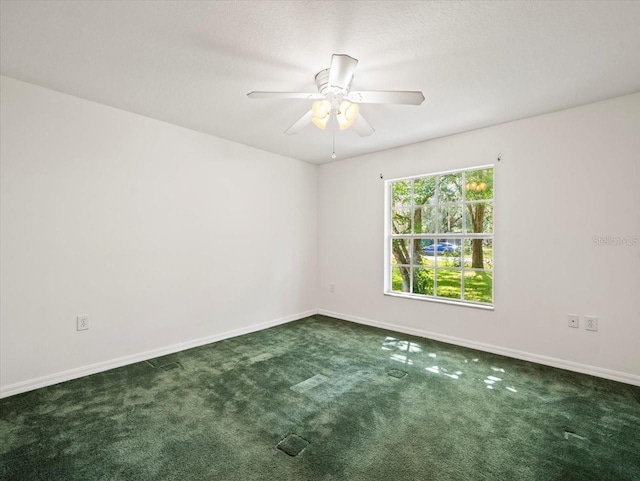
(321, 111)
(346, 114)
(335, 97)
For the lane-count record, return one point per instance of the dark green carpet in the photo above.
(218, 412)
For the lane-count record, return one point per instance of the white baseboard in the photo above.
(70, 374)
(503, 351)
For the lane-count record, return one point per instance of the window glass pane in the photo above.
(450, 218)
(478, 286)
(449, 283)
(401, 221)
(450, 188)
(400, 251)
(480, 217)
(401, 193)
(479, 184)
(400, 279)
(439, 217)
(423, 281)
(424, 220)
(424, 190)
(420, 252)
(478, 253)
(447, 252)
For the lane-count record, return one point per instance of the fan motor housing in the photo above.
(322, 82)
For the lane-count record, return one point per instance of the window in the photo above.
(439, 236)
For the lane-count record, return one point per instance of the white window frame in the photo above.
(388, 236)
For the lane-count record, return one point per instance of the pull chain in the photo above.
(333, 133)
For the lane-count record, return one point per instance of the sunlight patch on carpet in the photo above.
(309, 383)
(572, 435)
(259, 358)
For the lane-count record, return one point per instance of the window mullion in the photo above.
(436, 207)
(463, 188)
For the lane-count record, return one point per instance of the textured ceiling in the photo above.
(192, 63)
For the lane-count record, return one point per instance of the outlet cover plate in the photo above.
(82, 323)
(574, 320)
(591, 323)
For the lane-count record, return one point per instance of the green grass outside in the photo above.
(478, 285)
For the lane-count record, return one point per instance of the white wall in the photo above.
(160, 234)
(564, 178)
(168, 238)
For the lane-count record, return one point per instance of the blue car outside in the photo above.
(441, 247)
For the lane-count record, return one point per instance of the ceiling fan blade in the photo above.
(300, 124)
(285, 95)
(362, 127)
(386, 97)
(341, 70)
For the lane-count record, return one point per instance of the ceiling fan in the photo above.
(335, 98)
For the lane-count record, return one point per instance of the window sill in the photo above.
(441, 301)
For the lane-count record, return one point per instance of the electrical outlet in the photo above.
(82, 323)
(591, 323)
(332, 288)
(574, 320)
